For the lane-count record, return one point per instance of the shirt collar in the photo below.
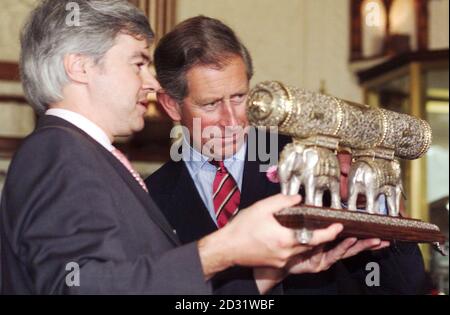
(84, 124)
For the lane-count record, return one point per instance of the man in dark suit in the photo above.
(75, 216)
(204, 71)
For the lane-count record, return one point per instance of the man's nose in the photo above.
(228, 115)
(149, 82)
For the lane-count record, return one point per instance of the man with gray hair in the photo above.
(75, 217)
(205, 71)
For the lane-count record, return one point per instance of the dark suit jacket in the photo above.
(174, 191)
(67, 199)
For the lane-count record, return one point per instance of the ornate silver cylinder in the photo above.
(302, 114)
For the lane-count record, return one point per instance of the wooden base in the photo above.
(361, 224)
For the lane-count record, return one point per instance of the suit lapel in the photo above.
(255, 185)
(185, 209)
(151, 209)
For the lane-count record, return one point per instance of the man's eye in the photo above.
(238, 98)
(140, 65)
(211, 106)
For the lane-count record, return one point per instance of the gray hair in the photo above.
(47, 37)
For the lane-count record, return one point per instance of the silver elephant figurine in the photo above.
(316, 168)
(373, 177)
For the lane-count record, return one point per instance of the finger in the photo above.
(361, 246)
(339, 251)
(278, 202)
(310, 254)
(300, 248)
(326, 235)
(383, 244)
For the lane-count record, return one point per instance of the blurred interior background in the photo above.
(387, 53)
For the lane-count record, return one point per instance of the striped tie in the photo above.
(123, 159)
(226, 194)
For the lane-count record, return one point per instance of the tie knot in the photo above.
(219, 165)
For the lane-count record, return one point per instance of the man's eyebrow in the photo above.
(243, 91)
(142, 55)
(212, 99)
(209, 100)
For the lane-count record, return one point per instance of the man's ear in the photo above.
(76, 66)
(171, 106)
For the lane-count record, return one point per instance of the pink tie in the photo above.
(123, 159)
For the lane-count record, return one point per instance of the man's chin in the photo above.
(138, 125)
